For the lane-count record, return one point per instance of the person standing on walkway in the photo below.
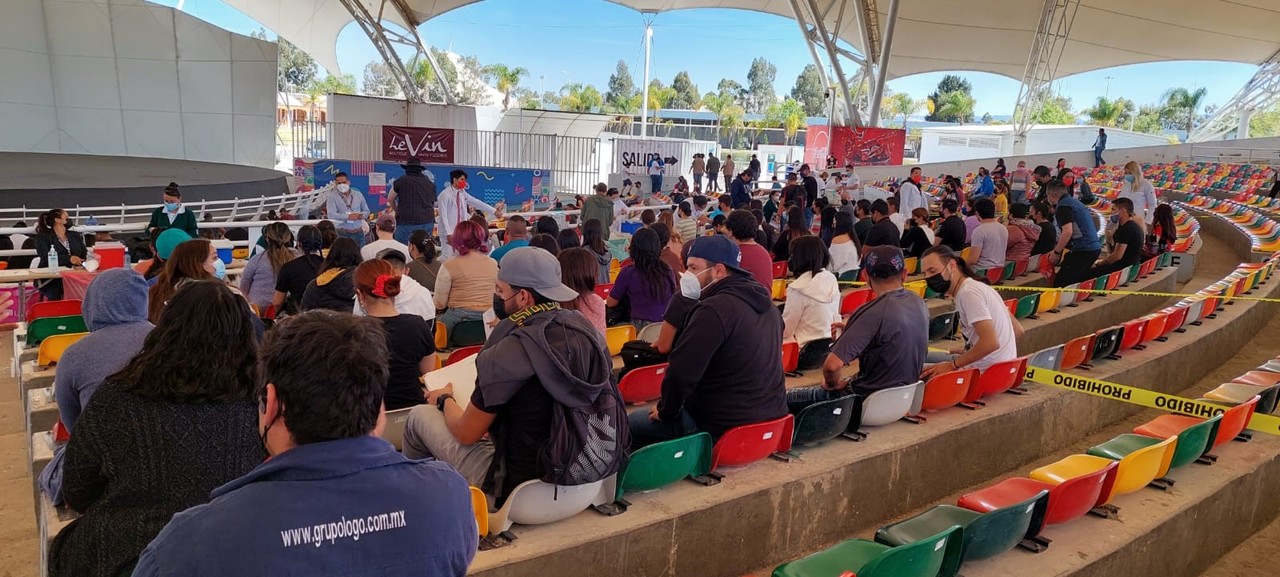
(413, 198)
(453, 208)
(754, 167)
(656, 169)
(713, 173)
(699, 168)
(348, 209)
(1099, 145)
(727, 169)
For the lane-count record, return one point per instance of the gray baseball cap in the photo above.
(534, 268)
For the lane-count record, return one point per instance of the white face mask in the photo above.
(689, 285)
(344, 188)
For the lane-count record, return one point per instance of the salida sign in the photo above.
(430, 145)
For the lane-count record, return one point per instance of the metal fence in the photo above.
(573, 161)
(1233, 155)
(736, 138)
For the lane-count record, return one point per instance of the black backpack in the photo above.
(636, 354)
(1086, 194)
(589, 443)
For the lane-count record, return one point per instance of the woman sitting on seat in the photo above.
(194, 259)
(646, 285)
(333, 289)
(578, 272)
(464, 288)
(175, 423)
(258, 281)
(423, 254)
(54, 233)
(845, 248)
(813, 299)
(411, 346)
(295, 275)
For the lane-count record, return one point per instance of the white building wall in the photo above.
(131, 78)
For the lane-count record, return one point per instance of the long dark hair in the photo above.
(844, 225)
(945, 253)
(203, 349)
(328, 233)
(1163, 216)
(310, 240)
(808, 254)
(44, 224)
(827, 223)
(593, 236)
(646, 256)
(344, 253)
(568, 238)
(421, 241)
(578, 270)
(795, 223)
(186, 263)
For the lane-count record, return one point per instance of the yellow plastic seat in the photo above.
(917, 287)
(964, 254)
(1048, 301)
(51, 348)
(480, 505)
(911, 265)
(779, 289)
(442, 338)
(618, 336)
(1136, 470)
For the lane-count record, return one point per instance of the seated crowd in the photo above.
(200, 433)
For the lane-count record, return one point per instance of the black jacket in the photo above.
(726, 364)
(415, 199)
(331, 291)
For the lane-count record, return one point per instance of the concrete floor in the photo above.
(19, 539)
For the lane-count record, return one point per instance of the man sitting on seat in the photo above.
(990, 332)
(1128, 239)
(539, 360)
(726, 365)
(332, 491)
(884, 340)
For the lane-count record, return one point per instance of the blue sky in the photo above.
(582, 40)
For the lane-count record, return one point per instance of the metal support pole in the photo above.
(828, 43)
(882, 72)
(817, 60)
(644, 100)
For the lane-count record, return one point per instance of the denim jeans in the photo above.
(1097, 158)
(404, 231)
(646, 431)
(358, 236)
(456, 315)
(656, 180)
(799, 399)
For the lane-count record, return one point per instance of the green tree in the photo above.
(1265, 123)
(465, 78)
(621, 87)
(1187, 102)
(1150, 119)
(809, 91)
(1107, 112)
(949, 84)
(787, 114)
(685, 96)
(331, 84)
(760, 80)
(728, 112)
(505, 79)
(296, 68)
(378, 81)
(954, 106)
(578, 97)
(986, 118)
(901, 104)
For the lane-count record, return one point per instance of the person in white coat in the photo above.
(910, 197)
(1139, 190)
(452, 204)
(813, 299)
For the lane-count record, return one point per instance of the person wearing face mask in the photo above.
(348, 209)
(1141, 193)
(1019, 180)
(725, 368)
(453, 204)
(884, 341)
(990, 331)
(173, 214)
(53, 232)
(540, 359)
(330, 477)
(159, 435)
(411, 344)
(1077, 232)
(910, 196)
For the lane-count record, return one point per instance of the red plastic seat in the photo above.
(995, 274)
(1233, 422)
(1012, 305)
(947, 390)
(1177, 318)
(780, 269)
(1020, 267)
(643, 384)
(1211, 305)
(997, 379)
(1113, 279)
(62, 308)
(1258, 379)
(1085, 287)
(790, 356)
(462, 353)
(603, 289)
(854, 300)
(1131, 336)
(750, 443)
(1155, 327)
(1068, 500)
(1076, 352)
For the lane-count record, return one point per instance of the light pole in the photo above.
(644, 99)
(1108, 93)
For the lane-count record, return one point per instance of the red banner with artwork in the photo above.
(859, 146)
(430, 145)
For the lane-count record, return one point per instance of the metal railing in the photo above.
(573, 161)
(1231, 155)
(136, 216)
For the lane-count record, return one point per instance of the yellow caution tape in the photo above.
(1143, 397)
(1139, 293)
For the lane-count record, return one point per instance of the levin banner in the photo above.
(430, 145)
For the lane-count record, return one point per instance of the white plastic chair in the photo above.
(538, 503)
(889, 405)
(649, 333)
(393, 430)
(1050, 358)
(1193, 313)
(1068, 296)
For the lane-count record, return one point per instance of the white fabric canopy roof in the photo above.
(932, 35)
(554, 122)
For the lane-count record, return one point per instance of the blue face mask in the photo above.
(1128, 178)
(219, 269)
(171, 206)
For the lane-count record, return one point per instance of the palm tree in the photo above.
(901, 104)
(578, 97)
(787, 114)
(506, 79)
(659, 97)
(1110, 112)
(956, 104)
(1186, 101)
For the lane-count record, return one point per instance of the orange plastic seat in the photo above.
(998, 378)
(1131, 336)
(750, 443)
(52, 348)
(1068, 500)
(790, 356)
(442, 337)
(1233, 422)
(1155, 327)
(1076, 352)
(946, 390)
(643, 384)
(461, 353)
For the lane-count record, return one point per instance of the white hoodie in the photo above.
(813, 303)
(414, 299)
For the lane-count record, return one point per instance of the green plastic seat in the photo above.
(1133, 274)
(664, 463)
(1193, 442)
(467, 333)
(850, 275)
(983, 535)
(1009, 267)
(1027, 306)
(929, 557)
(821, 422)
(40, 329)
